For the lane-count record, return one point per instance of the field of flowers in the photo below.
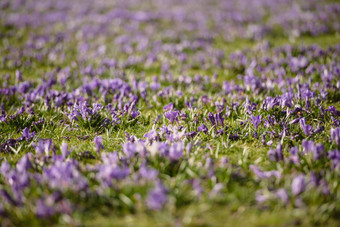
(169, 112)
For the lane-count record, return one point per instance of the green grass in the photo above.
(237, 208)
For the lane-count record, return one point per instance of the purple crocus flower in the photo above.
(209, 165)
(282, 195)
(134, 114)
(203, 128)
(276, 154)
(294, 121)
(131, 149)
(151, 135)
(333, 111)
(335, 122)
(319, 129)
(176, 151)
(298, 185)
(256, 120)
(234, 137)
(96, 107)
(216, 190)
(64, 150)
(27, 135)
(157, 197)
(307, 129)
(308, 146)
(171, 116)
(219, 119)
(110, 158)
(8, 198)
(3, 119)
(263, 139)
(24, 163)
(191, 134)
(43, 210)
(335, 135)
(334, 155)
(64, 176)
(149, 174)
(18, 75)
(168, 107)
(43, 147)
(318, 151)
(211, 118)
(5, 167)
(294, 157)
(155, 85)
(98, 140)
(260, 197)
(227, 87)
(107, 172)
(264, 174)
(196, 186)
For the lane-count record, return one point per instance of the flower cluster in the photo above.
(122, 108)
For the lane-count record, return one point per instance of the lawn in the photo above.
(169, 113)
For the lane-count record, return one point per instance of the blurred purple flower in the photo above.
(256, 120)
(335, 135)
(319, 129)
(5, 196)
(308, 146)
(294, 156)
(176, 151)
(64, 149)
(196, 186)
(333, 111)
(151, 135)
(148, 173)
(209, 165)
(3, 119)
(219, 119)
(98, 141)
(264, 174)
(24, 163)
(168, 107)
(43, 210)
(64, 176)
(5, 167)
(282, 195)
(157, 197)
(43, 147)
(276, 154)
(298, 185)
(260, 197)
(294, 121)
(108, 172)
(335, 122)
(131, 149)
(134, 114)
(334, 155)
(307, 129)
(216, 190)
(211, 118)
(171, 116)
(318, 151)
(27, 135)
(203, 128)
